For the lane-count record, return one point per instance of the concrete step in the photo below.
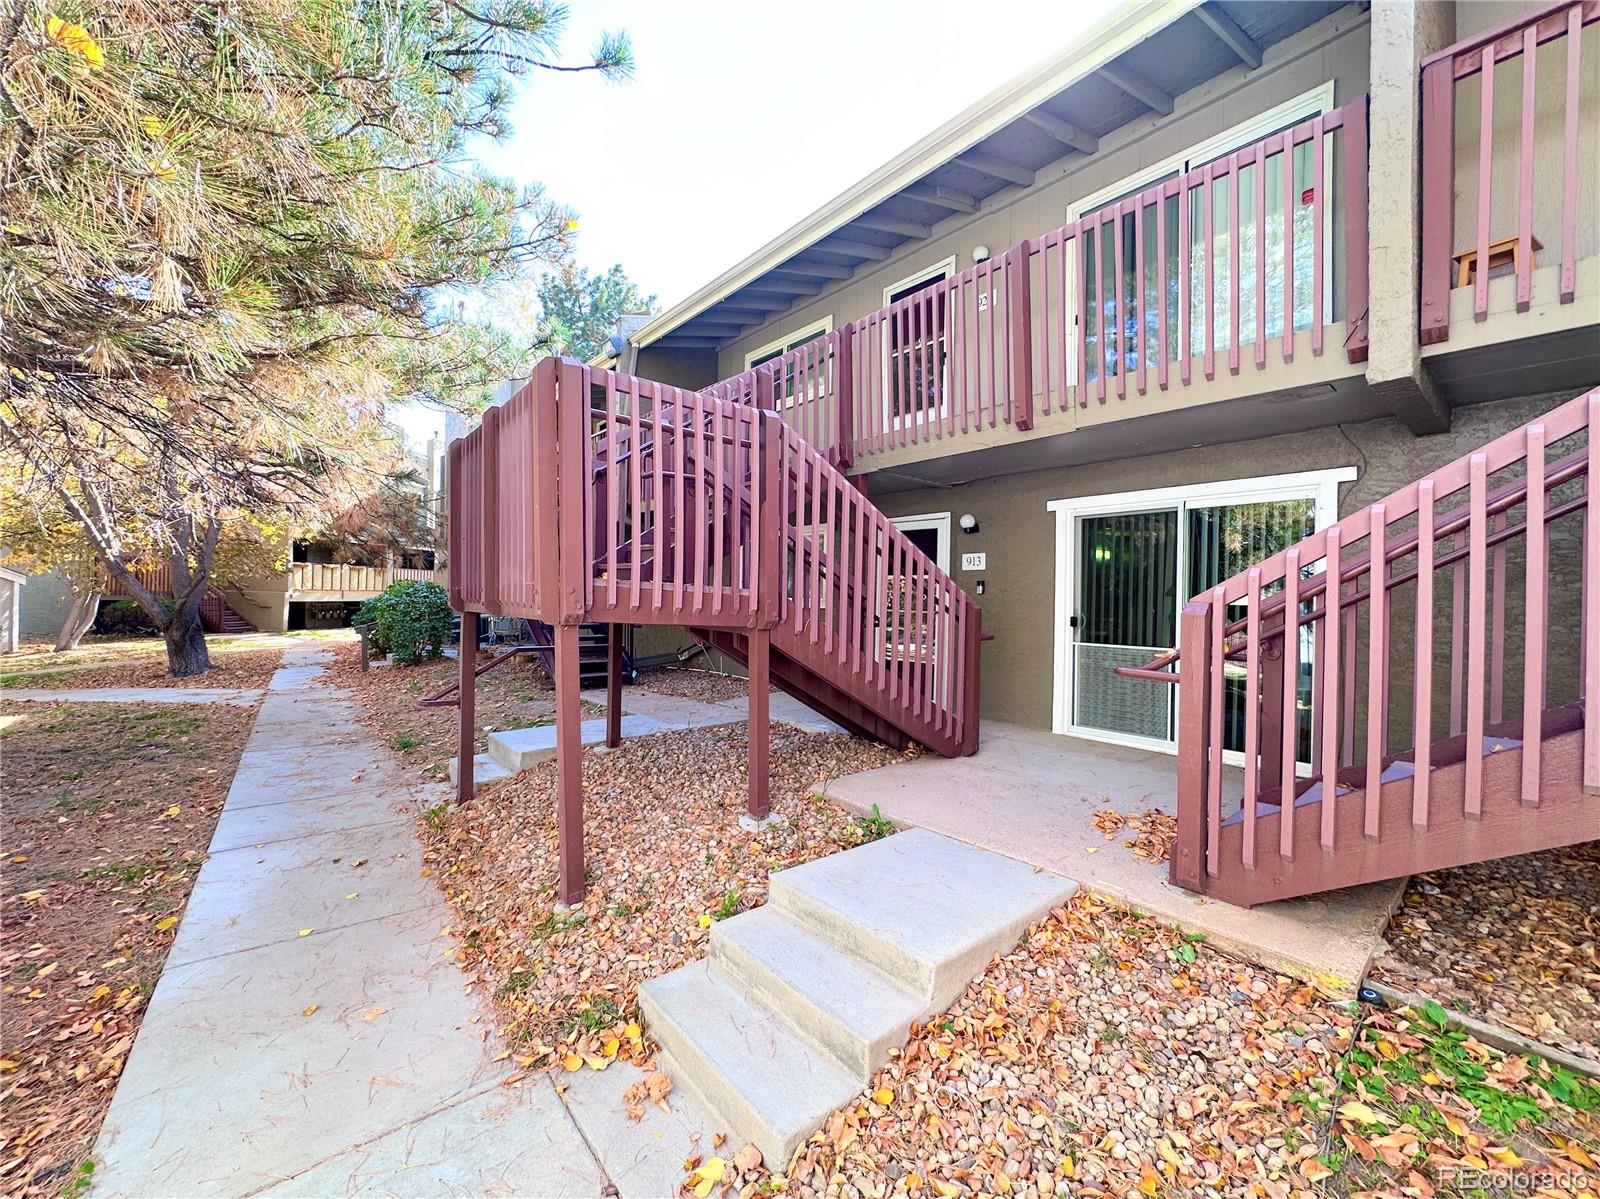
(519, 749)
(925, 910)
(767, 1082)
(834, 999)
(484, 770)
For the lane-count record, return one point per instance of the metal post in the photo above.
(466, 707)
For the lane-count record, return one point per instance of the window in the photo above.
(1112, 351)
(786, 388)
(918, 378)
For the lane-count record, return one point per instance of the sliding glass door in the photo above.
(1132, 572)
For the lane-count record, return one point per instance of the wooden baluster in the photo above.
(1478, 535)
(1533, 620)
(1235, 284)
(1377, 663)
(1438, 197)
(1318, 263)
(1185, 271)
(1525, 176)
(1252, 711)
(1214, 709)
(1137, 340)
(1330, 687)
(1161, 288)
(1189, 850)
(1208, 187)
(1260, 178)
(1569, 157)
(1480, 290)
(1422, 711)
(1591, 605)
(1289, 733)
(1289, 199)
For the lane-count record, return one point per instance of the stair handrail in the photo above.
(1476, 529)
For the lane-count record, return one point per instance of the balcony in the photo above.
(1243, 279)
(1510, 244)
(335, 581)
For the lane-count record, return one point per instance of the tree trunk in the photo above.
(80, 618)
(186, 645)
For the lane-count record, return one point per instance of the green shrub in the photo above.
(413, 619)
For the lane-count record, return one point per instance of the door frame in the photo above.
(935, 273)
(1322, 486)
(938, 521)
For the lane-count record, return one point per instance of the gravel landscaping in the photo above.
(107, 812)
(1111, 1055)
(689, 682)
(1515, 941)
(666, 858)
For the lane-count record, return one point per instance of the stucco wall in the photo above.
(1334, 49)
(1018, 533)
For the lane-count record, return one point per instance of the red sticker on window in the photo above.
(1308, 195)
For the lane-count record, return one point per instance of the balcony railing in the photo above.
(1502, 175)
(1220, 268)
(343, 579)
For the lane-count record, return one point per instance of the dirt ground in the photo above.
(694, 683)
(107, 812)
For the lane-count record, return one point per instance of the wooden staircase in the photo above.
(216, 613)
(595, 497)
(1408, 743)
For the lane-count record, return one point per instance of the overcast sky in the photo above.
(744, 116)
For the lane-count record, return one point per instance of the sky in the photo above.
(743, 117)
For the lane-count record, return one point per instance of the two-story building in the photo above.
(1195, 286)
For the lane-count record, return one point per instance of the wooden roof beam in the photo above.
(817, 270)
(892, 224)
(997, 168)
(864, 250)
(1230, 34)
(1064, 132)
(1137, 86)
(944, 197)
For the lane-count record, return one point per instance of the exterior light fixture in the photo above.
(969, 523)
(980, 253)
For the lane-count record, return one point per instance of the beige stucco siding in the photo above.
(1017, 533)
(1550, 87)
(1334, 49)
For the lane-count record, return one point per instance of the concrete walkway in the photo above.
(242, 696)
(311, 1034)
(1032, 795)
(679, 712)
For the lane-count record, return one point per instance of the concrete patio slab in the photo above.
(241, 696)
(644, 1159)
(1032, 796)
(520, 749)
(346, 766)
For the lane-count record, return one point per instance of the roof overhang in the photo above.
(1130, 64)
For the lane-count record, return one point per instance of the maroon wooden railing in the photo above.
(1404, 745)
(596, 496)
(216, 613)
(1551, 36)
(1052, 323)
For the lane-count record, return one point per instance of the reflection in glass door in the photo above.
(1134, 571)
(1126, 614)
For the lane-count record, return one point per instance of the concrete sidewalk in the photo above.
(311, 1034)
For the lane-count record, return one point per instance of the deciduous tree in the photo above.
(222, 229)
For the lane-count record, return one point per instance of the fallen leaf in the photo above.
(310, 1010)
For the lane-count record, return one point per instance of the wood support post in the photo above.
(1194, 701)
(466, 704)
(844, 385)
(1271, 702)
(569, 763)
(1019, 312)
(759, 802)
(613, 685)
